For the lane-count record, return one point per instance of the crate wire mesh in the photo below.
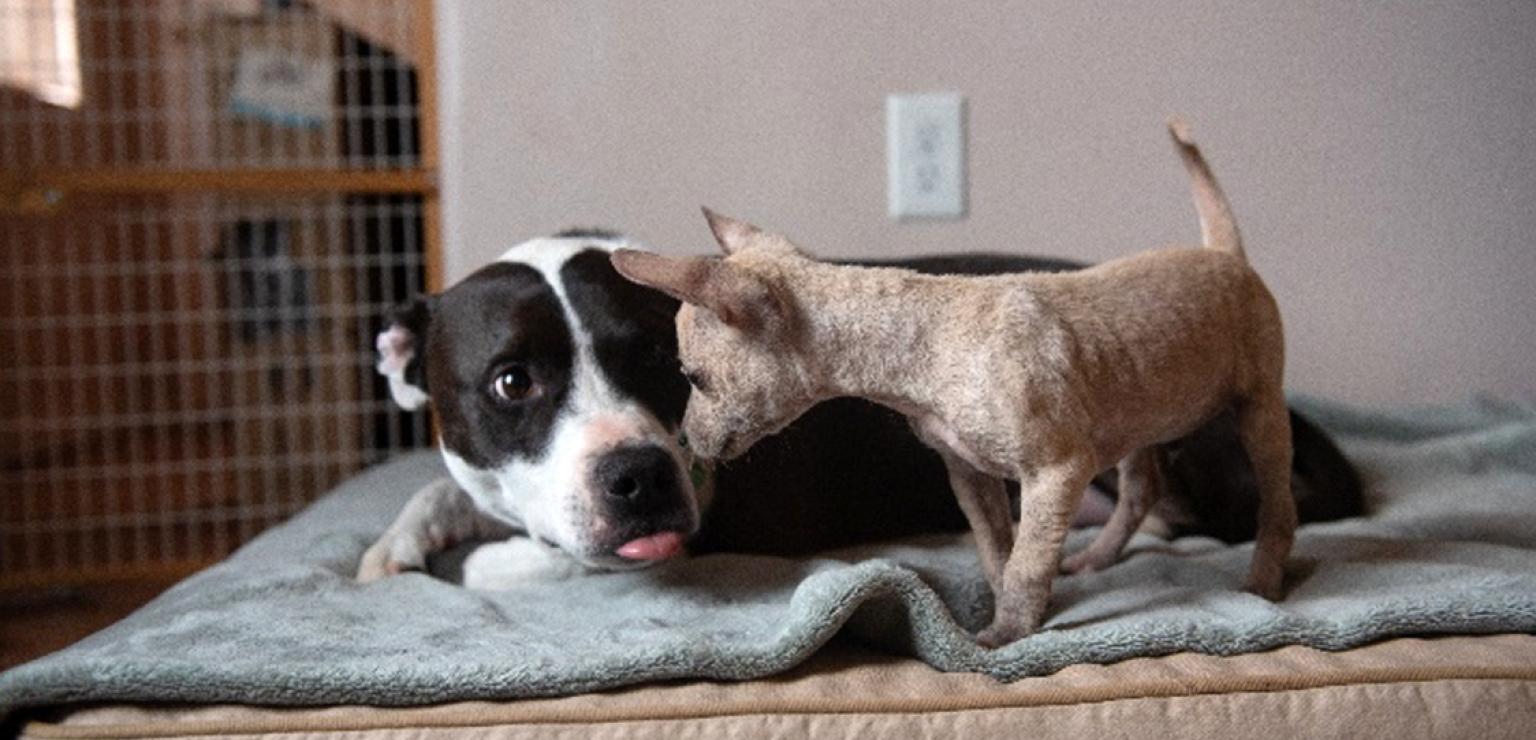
(181, 369)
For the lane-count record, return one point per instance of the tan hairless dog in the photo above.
(1046, 379)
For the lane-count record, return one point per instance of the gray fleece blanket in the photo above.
(1449, 547)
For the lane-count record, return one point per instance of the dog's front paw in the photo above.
(1086, 561)
(1269, 588)
(1002, 633)
(1266, 578)
(391, 555)
(501, 565)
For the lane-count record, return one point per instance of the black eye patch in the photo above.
(502, 353)
(632, 332)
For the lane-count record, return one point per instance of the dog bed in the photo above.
(1449, 548)
(1473, 687)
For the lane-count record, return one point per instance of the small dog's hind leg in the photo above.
(1141, 484)
(984, 501)
(1048, 496)
(1265, 427)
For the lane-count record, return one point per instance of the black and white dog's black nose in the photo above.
(641, 475)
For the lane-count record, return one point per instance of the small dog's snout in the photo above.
(637, 474)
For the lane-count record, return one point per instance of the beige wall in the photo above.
(1381, 156)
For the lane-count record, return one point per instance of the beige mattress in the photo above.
(1449, 687)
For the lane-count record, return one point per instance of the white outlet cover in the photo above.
(925, 155)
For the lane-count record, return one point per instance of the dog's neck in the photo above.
(868, 331)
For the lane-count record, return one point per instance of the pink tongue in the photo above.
(659, 546)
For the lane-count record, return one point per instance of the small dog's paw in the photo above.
(1271, 591)
(391, 555)
(1001, 633)
(1267, 582)
(1085, 561)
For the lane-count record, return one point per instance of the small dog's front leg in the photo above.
(436, 518)
(1141, 484)
(1047, 499)
(984, 501)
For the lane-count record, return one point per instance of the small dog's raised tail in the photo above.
(1218, 229)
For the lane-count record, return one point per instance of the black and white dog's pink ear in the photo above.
(399, 347)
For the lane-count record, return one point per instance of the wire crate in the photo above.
(205, 207)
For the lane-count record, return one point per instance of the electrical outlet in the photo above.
(925, 155)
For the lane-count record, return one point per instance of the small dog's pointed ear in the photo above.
(708, 282)
(682, 278)
(400, 345)
(733, 235)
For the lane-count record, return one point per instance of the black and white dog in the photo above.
(558, 396)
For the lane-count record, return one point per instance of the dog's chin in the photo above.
(736, 442)
(728, 446)
(723, 451)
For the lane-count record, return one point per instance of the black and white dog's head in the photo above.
(558, 395)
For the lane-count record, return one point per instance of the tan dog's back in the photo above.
(1196, 326)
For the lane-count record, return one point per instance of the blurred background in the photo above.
(206, 205)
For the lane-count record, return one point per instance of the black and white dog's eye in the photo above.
(696, 381)
(514, 384)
